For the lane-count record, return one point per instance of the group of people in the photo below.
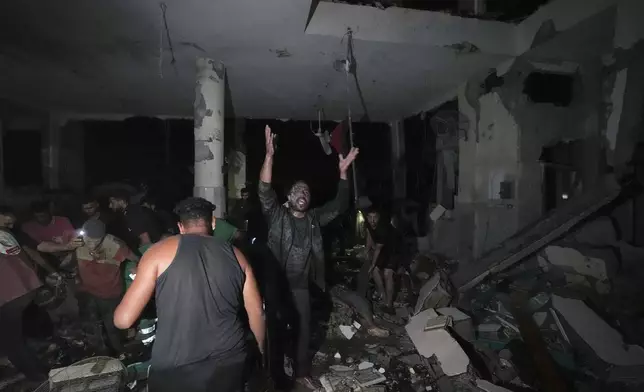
(206, 295)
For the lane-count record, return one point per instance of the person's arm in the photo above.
(141, 291)
(52, 247)
(253, 302)
(340, 203)
(335, 207)
(267, 196)
(369, 241)
(376, 253)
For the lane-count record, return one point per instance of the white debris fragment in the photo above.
(440, 342)
(348, 331)
(381, 370)
(337, 356)
(356, 325)
(365, 365)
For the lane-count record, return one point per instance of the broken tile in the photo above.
(365, 365)
(449, 353)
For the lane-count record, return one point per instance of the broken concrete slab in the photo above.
(605, 341)
(534, 237)
(574, 260)
(434, 293)
(441, 343)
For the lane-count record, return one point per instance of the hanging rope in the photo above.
(347, 68)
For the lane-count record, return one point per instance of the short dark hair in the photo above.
(120, 194)
(194, 208)
(244, 190)
(40, 206)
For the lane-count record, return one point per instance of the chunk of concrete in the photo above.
(605, 341)
(434, 293)
(440, 342)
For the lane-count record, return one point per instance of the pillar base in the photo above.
(215, 195)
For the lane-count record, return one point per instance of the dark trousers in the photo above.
(289, 330)
(12, 341)
(98, 313)
(205, 376)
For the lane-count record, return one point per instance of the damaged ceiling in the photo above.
(281, 56)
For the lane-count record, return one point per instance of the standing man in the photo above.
(295, 240)
(53, 234)
(138, 227)
(201, 285)
(99, 268)
(381, 247)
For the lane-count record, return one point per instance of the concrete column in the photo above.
(209, 133)
(51, 152)
(399, 168)
(237, 161)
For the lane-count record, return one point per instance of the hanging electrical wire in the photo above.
(348, 66)
(164, 9)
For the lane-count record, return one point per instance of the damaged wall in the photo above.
(500, 183)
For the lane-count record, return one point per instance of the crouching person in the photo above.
(99, 267)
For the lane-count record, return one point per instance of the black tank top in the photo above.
(199, 301)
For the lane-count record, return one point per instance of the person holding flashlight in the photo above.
(101, 286)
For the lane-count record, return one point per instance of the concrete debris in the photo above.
(605, 341)
(348, 331)
(365, 365)
(462, 323)
(434, 293)
(575, 261)
(489, 387)
(440, 342)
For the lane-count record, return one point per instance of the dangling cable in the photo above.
(347, 68)
(161, 43)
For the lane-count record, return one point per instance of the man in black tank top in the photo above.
(201, 286)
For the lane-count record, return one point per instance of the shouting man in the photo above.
(201, 285)
(295, 240)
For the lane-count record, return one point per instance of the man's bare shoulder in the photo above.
(163, 250)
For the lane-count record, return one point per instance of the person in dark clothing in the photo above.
(295, 241)
(201, 285)
(382, 245)
(165, 220)
(138, 228)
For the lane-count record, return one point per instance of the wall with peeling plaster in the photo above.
(512, 131)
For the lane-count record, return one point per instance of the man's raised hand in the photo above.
(270, 138)
(345, 162)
